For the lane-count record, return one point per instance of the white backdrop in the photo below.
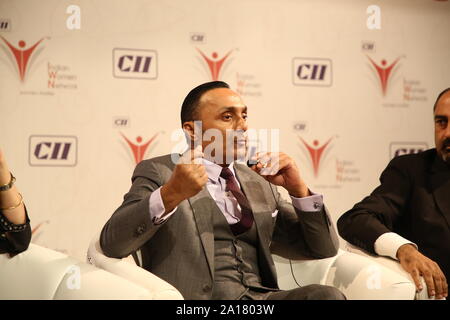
(125, 71)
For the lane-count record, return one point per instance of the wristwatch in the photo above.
(9, 185)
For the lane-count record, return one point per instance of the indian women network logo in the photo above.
(316, 151)
(139, 146)
(22, 54)
(214, 63)
(384, 71)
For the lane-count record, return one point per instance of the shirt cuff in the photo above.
(312, 203)
(157, 209)
(388, 244)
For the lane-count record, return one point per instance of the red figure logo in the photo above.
(22, 55)
(383, 72)
(316, 153)
(215, 64)
(139, 148)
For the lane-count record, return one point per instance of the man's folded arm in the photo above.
(303, 229)
(377, 214)
(139, 216)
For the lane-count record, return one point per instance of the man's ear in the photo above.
(188, 128)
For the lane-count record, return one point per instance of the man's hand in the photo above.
(281, 170)
(416, 264)
(187, 179)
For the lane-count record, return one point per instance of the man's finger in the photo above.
(267, 163)
(263, 158)
(445, 286)
(416, 278)
(430, 283)
(192, 156)
(438, 285)
(185, 158)
(197, 154)
(442, 291)
(278, 163)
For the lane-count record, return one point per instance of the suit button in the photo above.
(206, 288)
(141, 229)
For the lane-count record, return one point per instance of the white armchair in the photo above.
(358, 277)
(128, 269)
(41, 274)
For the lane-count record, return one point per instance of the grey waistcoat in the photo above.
(235, 260)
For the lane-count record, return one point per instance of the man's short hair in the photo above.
(192, 100)
(439, 96)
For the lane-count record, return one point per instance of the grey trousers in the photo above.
(311, 292)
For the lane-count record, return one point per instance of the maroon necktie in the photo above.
(247, 217)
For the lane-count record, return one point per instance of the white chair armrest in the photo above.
(302, 272)
(393, 265)
(40, 274)
(358, 277)
(160, 289)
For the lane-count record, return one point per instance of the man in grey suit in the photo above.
(208, 224)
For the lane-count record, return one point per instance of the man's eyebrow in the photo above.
(232, 109)
(438, 116)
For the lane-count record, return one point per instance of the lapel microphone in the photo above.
(251, 161)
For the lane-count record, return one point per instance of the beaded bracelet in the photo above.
(8, 186)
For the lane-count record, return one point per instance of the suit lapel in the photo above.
(440, 186)
(251, 187)
(202, 205)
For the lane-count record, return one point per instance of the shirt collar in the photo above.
(213, 170)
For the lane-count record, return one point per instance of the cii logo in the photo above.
(383, 71)
(316, 153)
(139, 148)
(214, 63)
(198, 37)
(5, 25)
(135, 64)
(22, 54)
(312, 72)
(53, 151)
(402, 148)
(121, 122)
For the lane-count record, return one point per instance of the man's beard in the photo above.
(445, 151)
(446, 158)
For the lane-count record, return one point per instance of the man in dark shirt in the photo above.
(407, 217)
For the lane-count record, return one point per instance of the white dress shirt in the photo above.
(226, 202)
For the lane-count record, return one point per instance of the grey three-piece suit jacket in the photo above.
(181, 250)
